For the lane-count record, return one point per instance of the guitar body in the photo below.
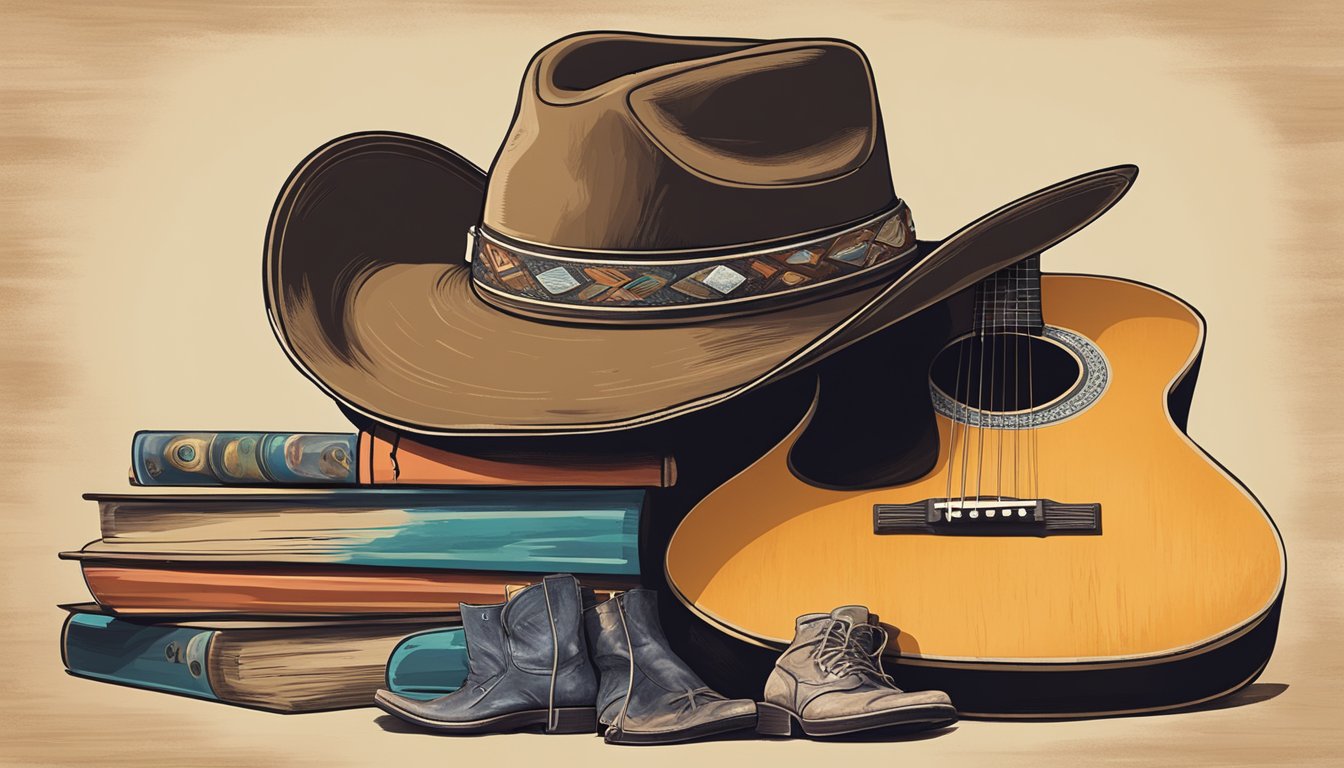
(1171, 600)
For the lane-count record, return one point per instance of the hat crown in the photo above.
(627, 142)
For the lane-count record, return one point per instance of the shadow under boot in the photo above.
(527, 663)
(647, 694)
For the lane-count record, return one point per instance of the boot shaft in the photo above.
(606, 630)
(487, 653)
(628, 626)
(629, 648)
(544, 625)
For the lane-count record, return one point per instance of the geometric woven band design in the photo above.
(605, 283)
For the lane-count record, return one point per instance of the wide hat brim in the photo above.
(370, 294)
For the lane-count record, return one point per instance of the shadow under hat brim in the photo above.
(370, 295)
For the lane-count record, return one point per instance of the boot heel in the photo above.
(573, 720)
(773, 721)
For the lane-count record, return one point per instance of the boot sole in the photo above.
(777, 721)
(567, 720)
(701, 731)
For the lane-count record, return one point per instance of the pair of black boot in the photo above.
(554, 656)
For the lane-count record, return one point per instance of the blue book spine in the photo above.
(160, 658)
(243, 458)
(592, 531)
(595, 532)
(428, 664)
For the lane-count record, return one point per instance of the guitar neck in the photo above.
(1009, 301)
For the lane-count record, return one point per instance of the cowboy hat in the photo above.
(669, 222)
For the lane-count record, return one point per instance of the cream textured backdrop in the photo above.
(143, 145)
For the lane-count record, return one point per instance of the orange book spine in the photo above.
(260, 590)
(387, 458)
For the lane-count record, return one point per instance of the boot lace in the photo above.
(618, 727)
(687, 701)
(844, 647)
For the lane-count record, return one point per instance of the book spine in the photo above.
(384, 458)
(243, 458)
(299, 591)
(428, 664)
(155, 657)
(592, 531)
(391, 458)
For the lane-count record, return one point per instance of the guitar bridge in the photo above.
(988, 517)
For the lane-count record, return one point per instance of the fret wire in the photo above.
(1011, 297)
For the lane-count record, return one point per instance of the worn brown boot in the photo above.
(830, 681)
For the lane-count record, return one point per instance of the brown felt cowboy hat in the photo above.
(669, 222)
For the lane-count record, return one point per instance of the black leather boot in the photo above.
(527, 665)
(648, 695)
(830, 681)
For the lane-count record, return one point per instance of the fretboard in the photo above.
(1010, 299)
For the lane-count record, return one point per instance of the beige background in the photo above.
(143, 146)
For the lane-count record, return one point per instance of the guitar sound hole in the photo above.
(1006, 372)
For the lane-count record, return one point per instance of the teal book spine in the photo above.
(591, 531)
(159, 658)
(243, 458)
(428, 664)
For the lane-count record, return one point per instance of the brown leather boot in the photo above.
(830, 681)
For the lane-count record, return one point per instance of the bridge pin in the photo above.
(1021, 512)
(989, 513)
(975, 513)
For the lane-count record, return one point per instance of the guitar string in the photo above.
(1017, 373)
(957, 416)
(1006, 328)
(1034, 441)
(1002, 338)
(980, 400)
(966, 407)
(994, 317)
(1026, 338)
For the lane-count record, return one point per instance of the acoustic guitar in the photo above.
(1071, 553)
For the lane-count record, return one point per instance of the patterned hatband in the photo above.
(607, 282)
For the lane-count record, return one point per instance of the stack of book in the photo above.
(304, 571)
